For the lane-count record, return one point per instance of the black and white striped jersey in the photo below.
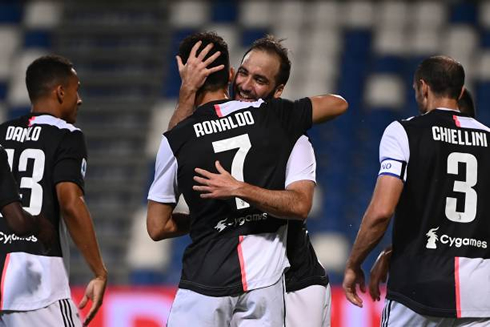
(42, 151)
(235, 247)
(9, 191)
(441, 256)
(305, 268)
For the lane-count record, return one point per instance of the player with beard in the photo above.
(379, 271)
(433, 179)
(263, 73)
(225, 282)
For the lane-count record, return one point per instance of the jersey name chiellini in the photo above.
(441, 260)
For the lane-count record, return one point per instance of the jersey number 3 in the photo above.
(466, 187)
(242, 143)
(32, 182)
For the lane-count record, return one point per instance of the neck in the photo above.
(434, 103)
(205, 97)
(46, 106)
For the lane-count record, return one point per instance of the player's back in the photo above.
(253, 142)
(442, 225)
(42, 151)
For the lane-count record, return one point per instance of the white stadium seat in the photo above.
(385, 91)
(42, 14)
(189, 14)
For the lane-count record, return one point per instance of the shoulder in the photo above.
(226, 108)
(53, 121)
(396, 127)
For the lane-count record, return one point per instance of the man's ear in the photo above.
(278, 91)
(424, 88)
(60, 93)
(231, 75)
(462, 92)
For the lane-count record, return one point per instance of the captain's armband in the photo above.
(393, 167)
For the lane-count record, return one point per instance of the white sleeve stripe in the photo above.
(164, 187)
(162, 199)
(387, 158)
(301, 164)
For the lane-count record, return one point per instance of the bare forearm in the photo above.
(177, 226)
(21, 222)
(328, 107)
(185, 106)
(80, 226)
(287, 204)
(370, 233)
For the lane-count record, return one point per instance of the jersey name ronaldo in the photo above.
(235, 246)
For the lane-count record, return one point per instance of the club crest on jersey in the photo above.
(433, 238)
(220, 226)
(83, 169)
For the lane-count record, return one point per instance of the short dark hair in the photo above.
(220, 78)
(46, 72)
(466, 104)
(443, 74)
(272, 45)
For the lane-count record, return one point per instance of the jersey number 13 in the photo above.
(31, 182)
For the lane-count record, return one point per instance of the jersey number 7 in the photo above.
(242, 143)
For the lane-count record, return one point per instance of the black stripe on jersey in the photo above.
(386, 314)
(284, 302)
(70, 313)
(404, 168)
(383, 315)
(64, 313)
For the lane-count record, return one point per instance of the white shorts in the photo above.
(259, 307)
(308, 307)
(396, 314)
(61, 313)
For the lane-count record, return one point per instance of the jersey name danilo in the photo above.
(22, 134)
(459, 137)
(236, 120)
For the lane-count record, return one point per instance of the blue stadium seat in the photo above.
(485, 39)
(10, 12)
(15, 112)
(464, 12)
(388, 64)
(250, 35)
(224, 11)
(171, 86)
(3, 90)
(482, 98)
(37, 39)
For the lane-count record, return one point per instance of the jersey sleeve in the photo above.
(296, 116)
(164, 188)
(301, 163)
(8, 187)
(394, 151)
(71, 160)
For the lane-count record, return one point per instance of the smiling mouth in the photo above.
(244, 97)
